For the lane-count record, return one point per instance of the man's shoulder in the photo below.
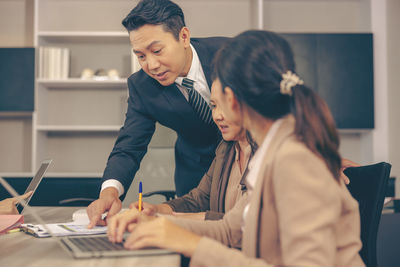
(212, 43)
(140, 78)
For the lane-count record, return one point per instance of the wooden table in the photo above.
(20, 249)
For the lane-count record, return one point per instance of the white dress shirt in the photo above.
(256, 162)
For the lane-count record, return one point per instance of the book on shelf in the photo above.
(53, 62)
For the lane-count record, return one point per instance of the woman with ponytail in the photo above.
(298, 211)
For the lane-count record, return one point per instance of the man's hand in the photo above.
(7, 206)
(150, 209)
(108, 201)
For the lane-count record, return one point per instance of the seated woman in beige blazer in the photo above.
(299, 212)
(223, 184)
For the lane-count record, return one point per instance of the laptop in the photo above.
(33, 185)
(86, 246)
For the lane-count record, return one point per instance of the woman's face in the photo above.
(227, 121)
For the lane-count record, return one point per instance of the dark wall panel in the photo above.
(52, 190)
(340, 68)
(17, 74)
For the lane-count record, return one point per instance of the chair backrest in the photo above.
(368, 186)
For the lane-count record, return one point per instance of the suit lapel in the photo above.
(175, 96)
(251, 232)
(224, 173)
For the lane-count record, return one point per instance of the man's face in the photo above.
(160, 55)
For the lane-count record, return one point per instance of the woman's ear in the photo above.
(231, 99)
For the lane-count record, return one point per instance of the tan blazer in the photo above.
(209, 195)
(298, 215)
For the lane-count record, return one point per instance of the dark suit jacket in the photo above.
(150, 102)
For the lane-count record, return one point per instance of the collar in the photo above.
(247, 151)
(195, 68)
(265, 144)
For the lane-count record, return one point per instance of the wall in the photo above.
(393, 34)
(16, 23)
(208, 17)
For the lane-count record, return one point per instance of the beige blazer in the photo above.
(298, 215)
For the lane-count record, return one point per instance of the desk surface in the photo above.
(20, 249)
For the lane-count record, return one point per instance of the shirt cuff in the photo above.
(113, 183)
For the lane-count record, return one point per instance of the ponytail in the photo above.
(315, 126)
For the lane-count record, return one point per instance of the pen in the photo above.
(13, 230)
(140, 196)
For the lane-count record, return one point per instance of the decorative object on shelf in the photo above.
(53, 62)
(113, 74)
(100, 75)
(87, 74)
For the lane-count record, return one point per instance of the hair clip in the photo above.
(289, 79)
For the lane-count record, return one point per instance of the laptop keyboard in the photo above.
(95, 243)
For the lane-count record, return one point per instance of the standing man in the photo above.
(172, 88)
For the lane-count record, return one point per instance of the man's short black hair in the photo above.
(156, 12)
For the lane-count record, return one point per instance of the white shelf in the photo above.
(16, 174)
(74, 175)
(75, 128)
(79, 83)
(15, 115)
(68, 36)
(53, 174)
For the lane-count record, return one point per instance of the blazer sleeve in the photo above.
(198, 199)
(227, 231)
(133, 139)
(214, 215)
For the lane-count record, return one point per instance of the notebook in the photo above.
(86, 246)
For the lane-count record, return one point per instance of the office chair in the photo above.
(368, 186)
(168, 194)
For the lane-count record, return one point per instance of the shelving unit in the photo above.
(76, 121)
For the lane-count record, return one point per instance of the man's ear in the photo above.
(184, 36)
(231, 99)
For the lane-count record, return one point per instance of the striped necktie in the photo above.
(197, 102)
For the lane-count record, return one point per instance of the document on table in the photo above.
(77, 227)
(62, 229)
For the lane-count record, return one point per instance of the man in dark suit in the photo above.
(172, 88)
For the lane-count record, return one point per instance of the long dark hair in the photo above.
(252, 65)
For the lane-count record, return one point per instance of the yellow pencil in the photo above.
(16, 230)
(140, 196)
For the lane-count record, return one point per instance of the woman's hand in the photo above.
(118, 224)
(150, 209)
(162, 233)
(7, 206)
(191, 215)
